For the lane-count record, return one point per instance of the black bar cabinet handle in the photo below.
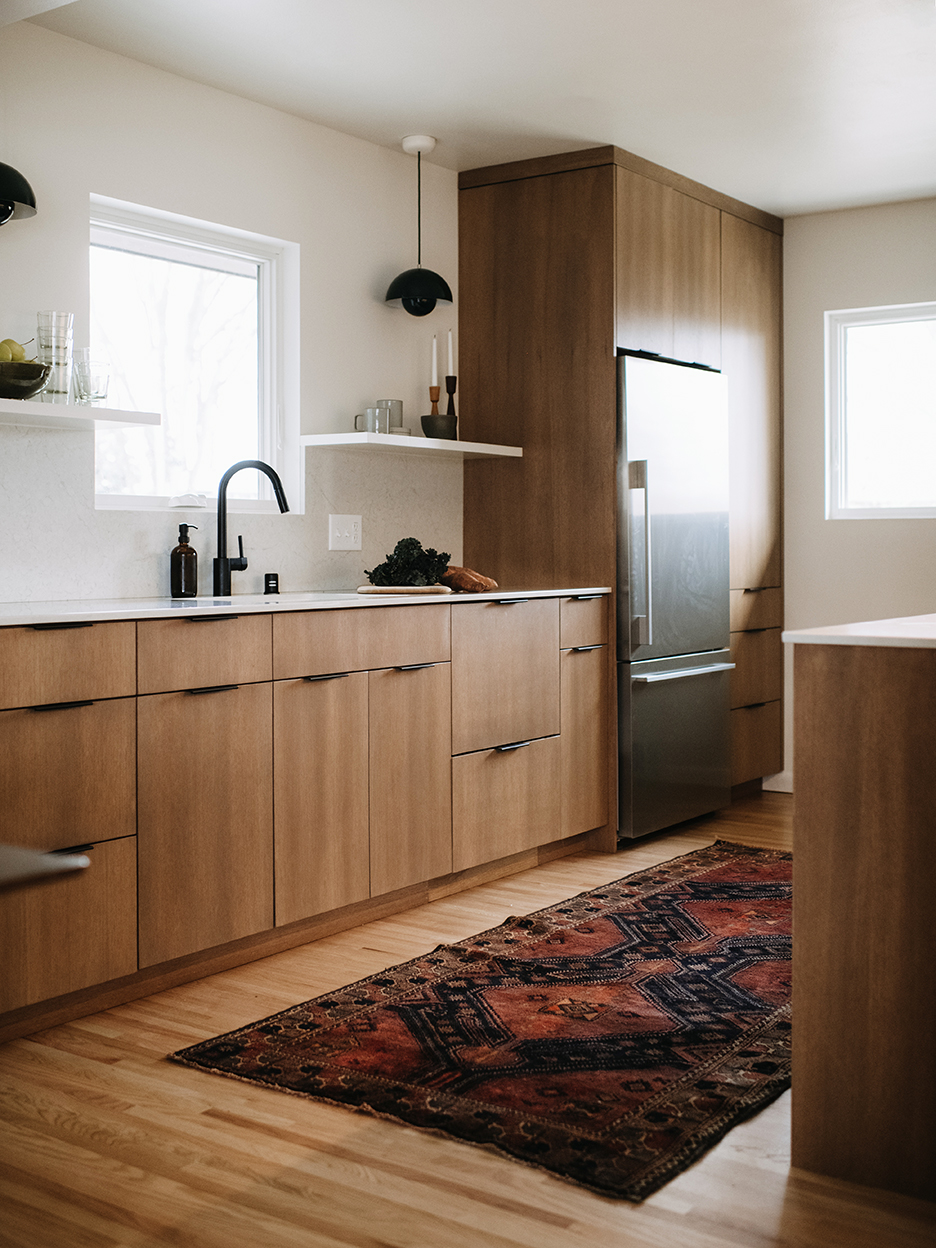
(58, 706)
(582, 649)
(412, 667)
(48, 628)
(587, 597)
(514, 745)
(213, 689)
(328, 676)
(207, 619)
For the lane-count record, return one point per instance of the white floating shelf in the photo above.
(411, 445)
(69, 415)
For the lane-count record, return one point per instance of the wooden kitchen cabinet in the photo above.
(583, 620)
(584, 739)
(359, 639)
(751, 328)
(321, 787)
(205, 818)
(758, 674)
(667, 271)
(68, 774)
(267, 805)
(505, 672)
(201, 650)
(67, 662)
(410, 726)
(71, 932)
(504, 801)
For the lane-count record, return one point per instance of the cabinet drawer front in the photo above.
(307, 643)
(39, 665)
(758, 674)
(505, 673)
(320, 795)
(205, 826)
(756, 741)
(503, 803)
(756, 608)
(583, 621)
(67, 934)
(194, 652)
(68, 776)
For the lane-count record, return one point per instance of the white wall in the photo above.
(840, 571)
(77, 120)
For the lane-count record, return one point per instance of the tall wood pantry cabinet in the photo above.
(563, 261)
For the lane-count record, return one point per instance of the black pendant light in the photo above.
(418, 290)
(16, 195)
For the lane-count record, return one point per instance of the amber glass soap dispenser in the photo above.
(183, 566)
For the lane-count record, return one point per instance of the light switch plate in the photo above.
(344, 532)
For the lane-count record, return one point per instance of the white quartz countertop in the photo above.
(84, 610)
(907, 630)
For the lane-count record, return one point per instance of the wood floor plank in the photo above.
(103, 1142)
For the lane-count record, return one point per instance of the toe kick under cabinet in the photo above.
(246, 781)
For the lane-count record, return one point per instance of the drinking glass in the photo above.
(54, 346)
(91, 378)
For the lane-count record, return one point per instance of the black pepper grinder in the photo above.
(183, 566)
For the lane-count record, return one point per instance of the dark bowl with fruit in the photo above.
(23, 379)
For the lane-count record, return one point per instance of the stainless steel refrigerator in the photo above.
(672, 610)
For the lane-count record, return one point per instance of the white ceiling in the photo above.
(791, 105)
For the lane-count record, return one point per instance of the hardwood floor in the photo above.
(105, 1143)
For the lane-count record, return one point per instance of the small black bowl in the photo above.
(440, 426)
(22, 380)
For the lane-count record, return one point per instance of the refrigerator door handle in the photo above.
(679, 673)
(641, 625)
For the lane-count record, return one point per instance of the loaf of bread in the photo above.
(465, 581)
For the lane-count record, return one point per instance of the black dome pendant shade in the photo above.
(16, 195)
(418, 290)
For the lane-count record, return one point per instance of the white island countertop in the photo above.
(916, 631)
(99, 609)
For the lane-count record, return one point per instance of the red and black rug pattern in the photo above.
(610, 1039)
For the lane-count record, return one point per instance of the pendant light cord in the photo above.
(419, 210)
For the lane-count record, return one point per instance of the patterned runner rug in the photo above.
(610, 1039)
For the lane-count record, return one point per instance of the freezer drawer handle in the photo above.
(642, 619)
(654, 677)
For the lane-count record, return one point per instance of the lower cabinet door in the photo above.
(70, 933)
(584, 739)
(321, 839)
(504, 800)
(205, 819)
(410, 775)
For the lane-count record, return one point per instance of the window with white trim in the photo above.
(199, 323)
(881, 412)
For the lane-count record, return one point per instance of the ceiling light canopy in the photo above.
(16, 195)
(418, 290)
